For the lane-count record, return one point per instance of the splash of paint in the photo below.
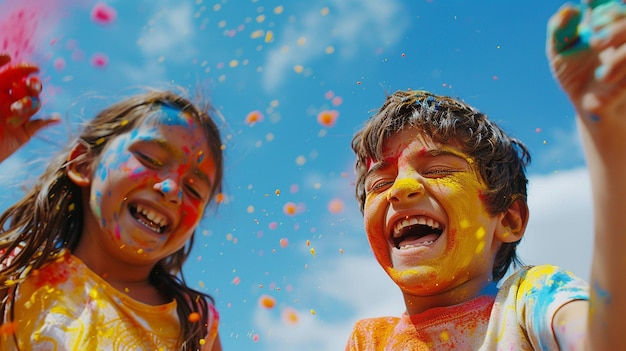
(103, 14)
(328, 118)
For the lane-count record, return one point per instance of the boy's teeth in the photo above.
(409, 221)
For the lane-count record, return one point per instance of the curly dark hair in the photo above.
(501, 159)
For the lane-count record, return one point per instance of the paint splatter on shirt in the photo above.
(66, 306)
(519, 317)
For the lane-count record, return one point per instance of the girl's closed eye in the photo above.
(148, 161)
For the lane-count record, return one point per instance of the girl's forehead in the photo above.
(169, 116)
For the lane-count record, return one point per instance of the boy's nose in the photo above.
(170, 190)
(405, 190)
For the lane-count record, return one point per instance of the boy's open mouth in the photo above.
(415, 231)
(149, 218)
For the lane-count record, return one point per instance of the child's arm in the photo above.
(587, 53)
(19, 101)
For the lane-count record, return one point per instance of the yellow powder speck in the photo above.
(480, 233)
(444, 336)
(480, 247)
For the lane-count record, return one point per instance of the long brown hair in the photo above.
(48, 220)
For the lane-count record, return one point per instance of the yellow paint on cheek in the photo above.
(464, 224)
(444, 336)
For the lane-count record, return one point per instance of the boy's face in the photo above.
(424, 216)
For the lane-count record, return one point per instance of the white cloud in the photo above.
(353, 26)
(353, 287)
(170, 33)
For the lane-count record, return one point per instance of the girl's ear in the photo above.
(513, 222)
(79, 166)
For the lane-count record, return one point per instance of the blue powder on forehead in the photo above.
(171, 116)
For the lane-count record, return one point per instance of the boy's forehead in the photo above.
(415, 141)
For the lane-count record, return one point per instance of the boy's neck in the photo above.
(416, 304)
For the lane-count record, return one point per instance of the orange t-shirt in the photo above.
(518, 317)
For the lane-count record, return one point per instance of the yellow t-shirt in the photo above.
(518, 317)
(66, 306)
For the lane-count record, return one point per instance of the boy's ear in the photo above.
(79, 165)
(513, 222)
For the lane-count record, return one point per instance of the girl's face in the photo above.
(150, 188)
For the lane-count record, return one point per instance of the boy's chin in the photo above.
(422, 280)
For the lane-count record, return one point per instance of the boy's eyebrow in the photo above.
(167, 147)
(424, 153)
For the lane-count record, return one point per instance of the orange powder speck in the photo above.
(335, 206)
(328, 118)
(267, 301)
(308, 243)
(290, 316)
(220, 198)
(284, 242)
(289, 208)
(277, 192)
(193, 317)
(8, 328)
(254, 117)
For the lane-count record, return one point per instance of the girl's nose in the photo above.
(170, 190)
(405, 190)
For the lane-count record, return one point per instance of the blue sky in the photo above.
(489, 53)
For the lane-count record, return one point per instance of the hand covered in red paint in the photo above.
(19, 101)
(586, 49)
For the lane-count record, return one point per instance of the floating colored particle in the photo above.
(327, 118)
(336, 101)
(254, 117)
(284, 242)
(278, 9)
(341, 251)
(538, 130)
(59, 64)
(294, 188)
(300, 160)
(325, 11)
(298, 68)
(267, 301)
(269, 36)
(103, 14)
(257, 34)
(308, 243)
(313, 311)
(495, 77)
(250, 209)
(273, 225)
(277, 192)
(335, 206)
(312, 252)
(99, 60)
(219, 198)
(290, 316)
(329, 50)
(329, 95)
(193, 317)
(236, 281)
(255, 338)
(290, 208)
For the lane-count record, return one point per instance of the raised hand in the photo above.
(586, 48)
(19, 101)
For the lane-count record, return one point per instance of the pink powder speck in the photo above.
(99, 60)
(59, 64)
(103, 14)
